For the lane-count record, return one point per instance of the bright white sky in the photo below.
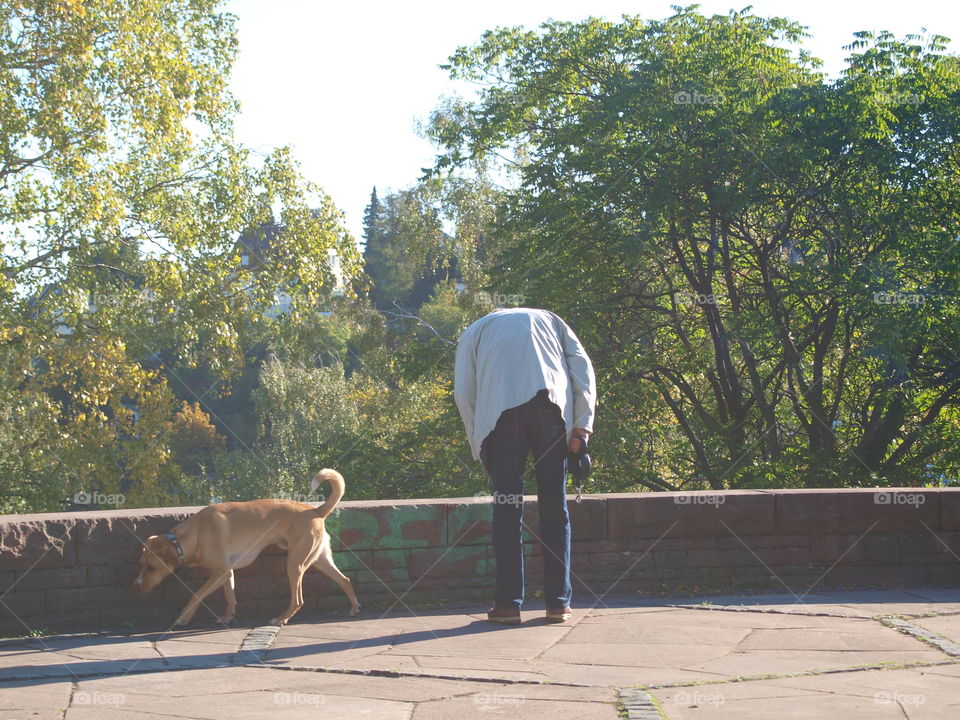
(344, 83)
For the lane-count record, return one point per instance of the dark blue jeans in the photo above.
(536, 426)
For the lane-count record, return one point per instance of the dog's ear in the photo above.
(157, 545)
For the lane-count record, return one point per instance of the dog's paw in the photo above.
(354, 611)
(225, 619)
(277, 621)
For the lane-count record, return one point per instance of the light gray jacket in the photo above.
(507, 356)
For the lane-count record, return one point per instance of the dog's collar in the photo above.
(176, 546)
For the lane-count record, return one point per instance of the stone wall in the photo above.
(73, 571)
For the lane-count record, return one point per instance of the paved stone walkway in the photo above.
(849, 655)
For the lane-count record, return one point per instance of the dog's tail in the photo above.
(336, 489)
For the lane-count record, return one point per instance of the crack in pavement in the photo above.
(374, 672)
(773, 611)
(811, 613)
(800, 673)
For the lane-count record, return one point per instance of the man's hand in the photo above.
(575, 439)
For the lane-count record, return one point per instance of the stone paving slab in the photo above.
(852, 655)
(913, 694)
(256, 693)
(678, 645)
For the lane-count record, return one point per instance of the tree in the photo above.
(371, 216)
(123, 194)
(194, 441)
(373, 245)
(391, 263)
(431, 233)
(718, 222)
(390, 433)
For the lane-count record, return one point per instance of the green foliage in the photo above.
(446, 313)
(123, 195)
(390, 266)
(762, 262)
(193, 440)
(723, 228)
(380, 431)
(426, 235)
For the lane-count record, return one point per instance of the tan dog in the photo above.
(226, 536)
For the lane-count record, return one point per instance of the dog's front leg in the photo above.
(215, 581)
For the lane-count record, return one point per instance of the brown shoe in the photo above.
(558, 615)
(504, 617)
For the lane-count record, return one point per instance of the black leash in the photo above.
(578, 465)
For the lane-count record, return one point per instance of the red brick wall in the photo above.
(72, 571)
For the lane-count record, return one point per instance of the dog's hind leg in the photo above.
(299, 558)
(325, 565)
(231, 610)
